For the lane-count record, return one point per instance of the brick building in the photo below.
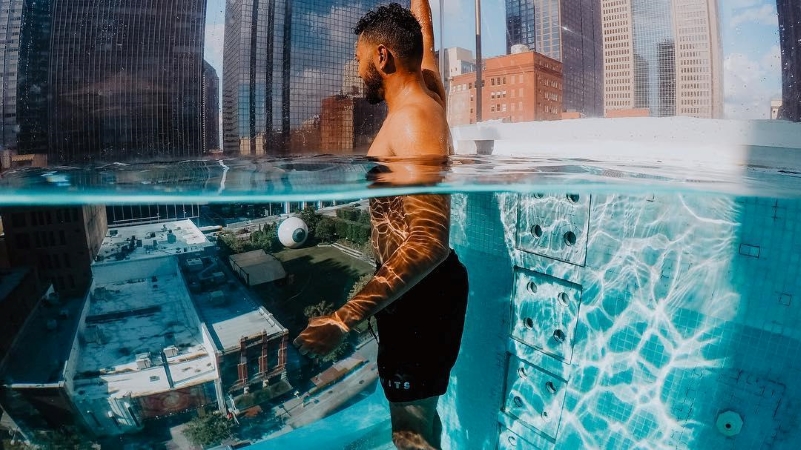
(520, 87)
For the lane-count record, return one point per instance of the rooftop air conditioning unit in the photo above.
(171, 351)
(143, 361)
(217, 298)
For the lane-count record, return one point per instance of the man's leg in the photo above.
(416, 425)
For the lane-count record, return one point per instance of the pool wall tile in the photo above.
(689, 308)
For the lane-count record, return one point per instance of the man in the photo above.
(419, 291)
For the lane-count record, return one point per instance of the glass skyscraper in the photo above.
(33, 85)
(520, 27)
(211, 108)
(124, 78)
(567, 31)
(790, 39)
(663, 57)
(282, 58)
(10, 24)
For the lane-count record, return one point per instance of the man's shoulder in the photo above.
(424, 109)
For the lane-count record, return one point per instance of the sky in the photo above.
(748, 28)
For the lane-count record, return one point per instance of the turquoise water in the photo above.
(337, 178)
(611, 305)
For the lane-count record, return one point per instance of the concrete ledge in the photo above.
(682, 140)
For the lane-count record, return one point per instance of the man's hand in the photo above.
(322, 336)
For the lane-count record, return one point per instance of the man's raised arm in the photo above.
(422, 12)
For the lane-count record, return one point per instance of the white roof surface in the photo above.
(133, 315)
(188, 238)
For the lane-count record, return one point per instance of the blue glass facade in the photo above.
(653, 34)
(282, 58)
(520, 24)
(582, 56)
(569, 32)
(124, 80)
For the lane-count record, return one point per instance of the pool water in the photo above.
(611, 306)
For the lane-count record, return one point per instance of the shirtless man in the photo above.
(419, 291)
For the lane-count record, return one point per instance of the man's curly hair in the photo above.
(395, 27)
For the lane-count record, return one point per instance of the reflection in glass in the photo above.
(790, 39)
(289, 86)
(662, 58)
(124, 81)
(132, 317)
(569, 32)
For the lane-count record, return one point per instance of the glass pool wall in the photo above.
(616, 321)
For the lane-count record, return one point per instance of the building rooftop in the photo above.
(257, 267)
(227, 307)
(136, 312)
(44, 345)
(151, 241)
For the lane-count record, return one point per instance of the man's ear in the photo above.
(386, 60)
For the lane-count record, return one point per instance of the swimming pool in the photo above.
(639, 300)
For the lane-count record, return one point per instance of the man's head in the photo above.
(390, 40)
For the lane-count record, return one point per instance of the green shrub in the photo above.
(209, 430)
(325, 231)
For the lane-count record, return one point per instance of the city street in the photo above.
(306, 409)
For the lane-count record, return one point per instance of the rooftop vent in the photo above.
(519, 48)
(143, 361)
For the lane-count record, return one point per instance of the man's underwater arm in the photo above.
(426, 246)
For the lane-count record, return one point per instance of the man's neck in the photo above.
(399, 87)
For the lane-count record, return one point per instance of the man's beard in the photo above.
(374, 91)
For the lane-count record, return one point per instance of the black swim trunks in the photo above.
(419, 334)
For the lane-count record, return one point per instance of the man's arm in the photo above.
(419, 153)
(426, 246)
(430, 67)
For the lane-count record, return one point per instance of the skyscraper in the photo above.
(663, 56)
(211, 108)
(33, 87)
(790, 39)
(569, 32)
(520, 25)
(124, 80)
(10, 24)
(699, 60)
(281, 59)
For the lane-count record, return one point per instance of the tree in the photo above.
(364, 219)
(310, 216)
(325, 231)
(320, 309)
(271, 236)
(64, 438)
(266, 238)
(229, 243)
(209, 430)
